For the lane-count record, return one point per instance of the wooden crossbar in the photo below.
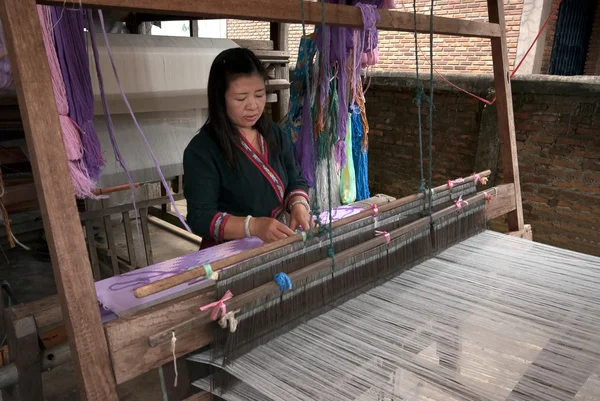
(288, 11)
(103, 356)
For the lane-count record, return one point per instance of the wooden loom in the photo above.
(110, 354)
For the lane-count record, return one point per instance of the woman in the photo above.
(241, 178)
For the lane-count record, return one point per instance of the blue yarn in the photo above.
(283, 281)
(359, 156)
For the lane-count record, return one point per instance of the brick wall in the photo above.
(558, 134)
(396, 49)
(592, 64)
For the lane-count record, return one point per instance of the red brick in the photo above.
(544, 117)
(566, 163)
(534, 198)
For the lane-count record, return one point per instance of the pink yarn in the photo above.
(82, 183)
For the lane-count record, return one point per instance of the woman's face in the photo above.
(245, 99)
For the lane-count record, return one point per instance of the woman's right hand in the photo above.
(268, 229)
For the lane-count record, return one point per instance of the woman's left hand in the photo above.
(299, 216)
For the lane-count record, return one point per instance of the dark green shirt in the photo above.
(260, 186)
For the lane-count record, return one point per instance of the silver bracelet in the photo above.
(299, 202)
(246, 227)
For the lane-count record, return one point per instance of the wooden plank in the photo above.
(279, 36)
(278, 84)
(129, 240)
(289, 11)
(202, 396)
(506, 120)
(525, 233)
(64, 235)
(503, 201)
(94, 214)
(111, 244)
(46, 312)
(146, 236)
(91, 242)
(254, 44)
(24, 351)
(128, 336)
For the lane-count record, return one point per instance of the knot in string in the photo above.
(422, 186)
(283, 281)
(478, 178)
(375, 210)
(210, 275)
(229, 320)
(452, 182)
(419, 95)
(387, 236)
(218, 306)
(459, 202)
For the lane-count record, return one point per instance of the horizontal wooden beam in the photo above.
(503, 201)
(289, 11)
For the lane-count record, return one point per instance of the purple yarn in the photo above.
(74, 63)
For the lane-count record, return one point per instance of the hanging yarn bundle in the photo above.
(73, 133)
(7, 82)
(74, 63)
(327, 115)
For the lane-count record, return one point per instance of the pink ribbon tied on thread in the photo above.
(375, 210)
(459, 203)
(451, 182)
(219, 306)
(479, 178)
(387, 236)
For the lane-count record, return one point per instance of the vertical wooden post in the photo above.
(506, 121)
(279, 36)
(64, 233)
(24, 351)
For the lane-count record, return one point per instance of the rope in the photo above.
(431, 110)
(418, 100)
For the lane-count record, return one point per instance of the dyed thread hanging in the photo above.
(72, 133)
(74, 64)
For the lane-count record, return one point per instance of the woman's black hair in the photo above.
(226, 66)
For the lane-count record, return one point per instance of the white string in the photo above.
(467, 324)
(173, 342)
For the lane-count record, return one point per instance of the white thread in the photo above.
(173, 341)
(229, 320)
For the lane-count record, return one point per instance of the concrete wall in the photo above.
(558, 134)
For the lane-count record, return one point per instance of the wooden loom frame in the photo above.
(95, 364)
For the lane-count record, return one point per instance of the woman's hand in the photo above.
(268, 229)
(299, 216)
